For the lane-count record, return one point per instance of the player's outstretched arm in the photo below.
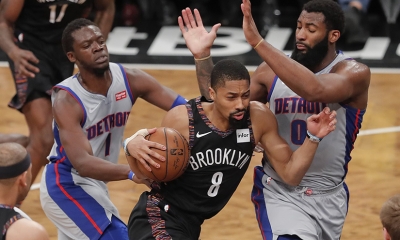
(292, 166)
(68, 115)
(199, 42)
(24, 60)
(105, 11)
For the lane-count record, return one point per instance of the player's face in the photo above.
(232, 101)
(90, 50)
(311, 44)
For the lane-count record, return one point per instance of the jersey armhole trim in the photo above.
(73, 94)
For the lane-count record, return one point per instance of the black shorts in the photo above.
(54, 67)
(154, 218)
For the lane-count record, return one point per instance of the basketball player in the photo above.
(15, 178)
(314, 76)
(30, 35)
(222, 135)
(90, 112)
(390, 218)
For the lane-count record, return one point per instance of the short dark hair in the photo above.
(67, 39)
(334, 16)
(390, 216)
(228, 70)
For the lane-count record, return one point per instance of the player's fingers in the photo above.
(156, 145)
(186, 18)
(181, 26)
(198, 18)
(31, 57)
(191, 18)
(313, 117)
(333, 114)
(215, 28)
(24, 72)
(31, 68)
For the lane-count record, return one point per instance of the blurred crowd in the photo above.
(364, 18)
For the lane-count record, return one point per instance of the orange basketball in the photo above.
(176, 155)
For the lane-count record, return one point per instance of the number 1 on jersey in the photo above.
(53, 11)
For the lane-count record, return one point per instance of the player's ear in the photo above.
(334, 35)
(71, 57)
(386, 235)
(212, 93)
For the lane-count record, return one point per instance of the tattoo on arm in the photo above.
(203, 73)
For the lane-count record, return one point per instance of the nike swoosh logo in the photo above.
(198, 135)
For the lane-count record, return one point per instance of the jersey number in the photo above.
(216, 183)
(299, 129)
(108, 144)
(53, 11)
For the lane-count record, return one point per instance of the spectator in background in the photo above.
(356, 32)
(390, 218)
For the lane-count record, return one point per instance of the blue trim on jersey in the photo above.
(127, 85)
(78, 205)
(73, 94)
(257, 197)
(272, 88)
(348, 195)
(354, 118)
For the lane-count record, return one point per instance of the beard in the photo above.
(101, 70)
(234, 123)
(312, 57)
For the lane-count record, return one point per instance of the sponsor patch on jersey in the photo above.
(120, 95)
(243, 135)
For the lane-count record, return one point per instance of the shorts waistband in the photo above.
(308, 190)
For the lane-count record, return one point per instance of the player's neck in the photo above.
(330, 56)
(94, 83)
(8, 196)
(215, 117)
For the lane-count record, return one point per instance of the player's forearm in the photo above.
(203, 73)
(6, 39)
(299, 163)
(105, 18)
(96, 168)
(297, 77)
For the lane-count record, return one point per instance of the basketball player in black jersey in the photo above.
(15, 178)
(222, 135)
(30, 35)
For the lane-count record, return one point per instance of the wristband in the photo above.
(313, 138)
(201, 59)
(131, 175)
(258, 43)
(141, 132)
(179, 100)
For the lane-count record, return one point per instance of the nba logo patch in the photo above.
(120, 95)
(242, 135)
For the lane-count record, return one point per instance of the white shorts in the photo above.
(79, 207)
(307, 213)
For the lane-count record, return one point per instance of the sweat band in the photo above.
(179, 100)
(15, 169)
(130, 175)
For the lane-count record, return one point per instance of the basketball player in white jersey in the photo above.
(90, 112)
(314, 76)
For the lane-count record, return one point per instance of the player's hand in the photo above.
(24, 62)
(249, 26)
(144, 181)
(258, 148)
(323, 123)
(198, 40)
(140, 149)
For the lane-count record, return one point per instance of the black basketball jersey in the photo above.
(7, 217)
(218, 161)
(46, 19)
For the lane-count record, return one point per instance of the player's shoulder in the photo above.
(26, 229)
(350, 65)
(259, 110)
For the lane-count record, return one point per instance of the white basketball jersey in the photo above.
(104, 118)
(329, 166)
